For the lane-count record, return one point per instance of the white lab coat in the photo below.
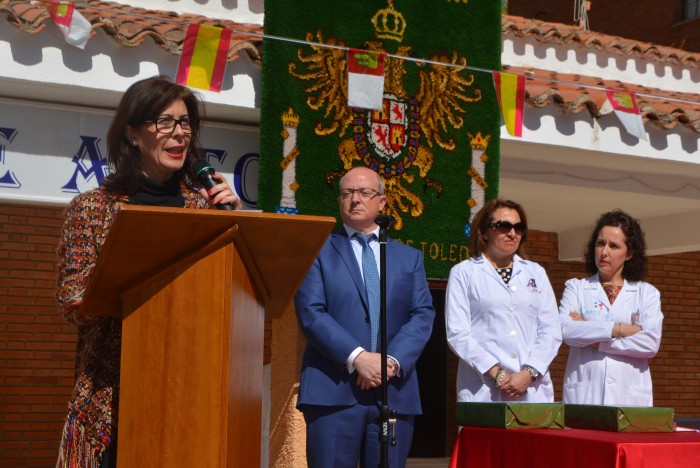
(616, 372)
(489, 322)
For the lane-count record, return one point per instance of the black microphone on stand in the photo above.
(203, 170)
(385, 415)
(384, 222)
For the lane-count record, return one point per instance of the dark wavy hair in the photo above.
(635, 269)
(480, 225)
(146, 100)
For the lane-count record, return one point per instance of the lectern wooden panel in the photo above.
(193, 288)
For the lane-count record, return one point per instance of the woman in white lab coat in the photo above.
(501, 314)
(611, 320)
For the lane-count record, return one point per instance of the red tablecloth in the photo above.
(569, 448)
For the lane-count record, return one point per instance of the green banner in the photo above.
(436, 138)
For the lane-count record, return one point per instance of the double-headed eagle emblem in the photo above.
(397, 140)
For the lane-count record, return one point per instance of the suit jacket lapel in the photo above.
(341, 242)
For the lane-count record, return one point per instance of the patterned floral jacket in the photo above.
(93, 408)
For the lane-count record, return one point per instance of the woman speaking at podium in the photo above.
(152, 144)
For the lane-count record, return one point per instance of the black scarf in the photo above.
(154, 193)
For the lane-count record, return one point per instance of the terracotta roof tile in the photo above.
(575, 93)
(572, 35)
(130, 26)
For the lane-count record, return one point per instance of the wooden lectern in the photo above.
(193, 288)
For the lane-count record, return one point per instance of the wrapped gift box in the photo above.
(511, 415)
(619, 418)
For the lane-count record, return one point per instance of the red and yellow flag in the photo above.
(61, 13)
(510, 89)
(624, 103)
(75, 28)
(203, 60)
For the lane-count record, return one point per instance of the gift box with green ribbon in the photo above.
(620, 419)
(511, 415)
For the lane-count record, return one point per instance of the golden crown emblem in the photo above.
(290, 118)
(389, 23)
(479, 142)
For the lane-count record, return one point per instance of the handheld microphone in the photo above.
(204, 172)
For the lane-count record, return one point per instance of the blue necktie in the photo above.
(371, 275)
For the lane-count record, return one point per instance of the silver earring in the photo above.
(133, 142)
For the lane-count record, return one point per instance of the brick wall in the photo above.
(37, 346)
(643, 20)
(676, 369)
(551, 11)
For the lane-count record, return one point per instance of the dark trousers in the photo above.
(340, 436)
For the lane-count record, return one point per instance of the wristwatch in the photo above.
(533, 372)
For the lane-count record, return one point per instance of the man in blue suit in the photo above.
(340, 389)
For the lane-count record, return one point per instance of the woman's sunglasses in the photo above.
(504, 227)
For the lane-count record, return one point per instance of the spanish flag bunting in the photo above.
(365, 79)
(203, 60)
(510, 90)
(624, 103)
(75, 28)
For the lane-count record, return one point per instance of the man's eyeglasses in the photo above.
(504, 227)
(364, 193)
(168, 124)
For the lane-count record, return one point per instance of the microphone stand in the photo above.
(384, 221)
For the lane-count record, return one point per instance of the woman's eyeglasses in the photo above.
(504, 227)
(168, 124)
